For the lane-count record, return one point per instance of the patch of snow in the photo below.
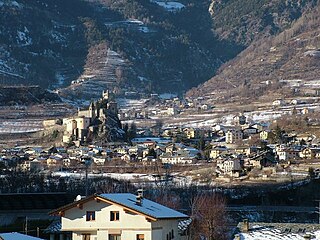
(125, 103)
(142, 79)
(130, 21)
(34, 53)
(144, 29)
(4, 66)
(138, 179)
(312, 83)
(312, 53)
(134, 21)
(167, 95)
(170, 6)
(261, 233)
(11, 74)
(15, 4)
(10, 3)
(23, 38)
(20, 126)
(57, 37)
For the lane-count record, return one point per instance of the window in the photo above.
(172, 235)
(140, 236)
(91, 216)
(114, 216)
(114, 237)
(85, 236)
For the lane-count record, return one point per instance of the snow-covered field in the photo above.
(20, 126)
(135, 178)
(126, 104)
(28, 119)
(208, 120)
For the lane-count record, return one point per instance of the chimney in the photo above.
(139, 197)
(245, 227)
(140, 192)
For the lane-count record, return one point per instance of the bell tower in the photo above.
(92, 110)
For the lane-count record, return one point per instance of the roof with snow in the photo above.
(151, 139)
(128, 201)
(284, 231)
(147, 207)
(15, 236)
(54, 227)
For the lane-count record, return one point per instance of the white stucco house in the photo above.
(233, 136)
(119, 216)
(229, 166)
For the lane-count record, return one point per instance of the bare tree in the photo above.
(209, 217)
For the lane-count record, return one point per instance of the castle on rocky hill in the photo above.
(99, 119)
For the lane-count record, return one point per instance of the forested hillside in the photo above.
(286, 64)
(38, 38)
(135, 45)
(246, 21)
(50, 43)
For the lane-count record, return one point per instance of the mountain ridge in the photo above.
(56, 43)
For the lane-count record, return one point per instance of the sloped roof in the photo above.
(54, 227)
(128, 201)
(147, 207)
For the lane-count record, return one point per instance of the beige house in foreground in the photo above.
(119, 216)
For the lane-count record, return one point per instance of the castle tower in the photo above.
(240, 119)
(105, 95)
(113, 107)
(92, 110)
(97, 109)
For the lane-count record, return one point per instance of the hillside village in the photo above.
(168, 143)
(242, 151)
(159, 120)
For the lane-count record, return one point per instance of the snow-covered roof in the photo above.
(15, 236)
(129, 202)
(146, 207)
(284, 231)
(184, 225)
(54, 227)
(151, 139)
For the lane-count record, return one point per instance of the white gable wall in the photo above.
(162, 227)
(128, 226)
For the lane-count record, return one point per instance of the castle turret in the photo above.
(113, 107)
(105, 95)
(92, 113)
